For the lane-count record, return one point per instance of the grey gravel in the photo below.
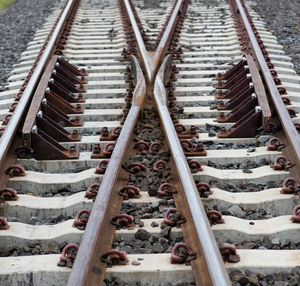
(249, 278)
(18, 24)
(49, 247)
(237, 211)
(34, 220)
(266, 243)
(282, 19)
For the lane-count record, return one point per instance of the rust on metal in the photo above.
(180, 253)
(10, 141)
(3, 223)
(42, 130)
(296, 214)
(290, 186)
(259, 91)
(203, 241)
(229, 253)
(68, 255)
(114, 257)
(130, 192)
(8, 194)
(81, 219)
(283, 115)
(92, 269)
(89, 269)
(247, 100)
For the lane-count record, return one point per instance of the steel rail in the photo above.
(259, 91)
(83, 268)
(14, 122)
(150, 60)
(217, 272)
(284, 117)
(140, 42)
(88, 267)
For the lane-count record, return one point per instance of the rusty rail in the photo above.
(259, 91)
(151, 61)
(209, 256)
(8, 136)
(284, 117)
(88, 268)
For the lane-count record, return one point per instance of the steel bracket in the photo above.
(249, 123)
(247, 100)
(47, 116)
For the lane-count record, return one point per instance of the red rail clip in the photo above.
(68, 255)
(136, 167)
(214, 217)
(180, 253)
(81, 219)
(282, 163)
(130, 192)
(115, 257)
(3, 223)
(290, 186)
(15, 171)
(123, 221)
(296, 214)
(195, 166)
(92, 191)
(101, 167)
(275, 144)
(160, 165)
(166, 190)
(203, 189)
(229, 253)
(8, 194)
(174, 217)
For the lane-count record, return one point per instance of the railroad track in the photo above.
(161, 153)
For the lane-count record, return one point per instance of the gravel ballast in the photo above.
(18, 24)
(282, 18)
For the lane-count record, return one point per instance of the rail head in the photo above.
(13, 124)
(140, 43)
(160, 52)
(214, 261)
(284, 117)
(150, 60)
(87, 267)
(83, 265)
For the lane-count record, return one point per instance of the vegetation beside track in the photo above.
(5, 3)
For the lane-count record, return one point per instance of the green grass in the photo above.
(5, 3)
